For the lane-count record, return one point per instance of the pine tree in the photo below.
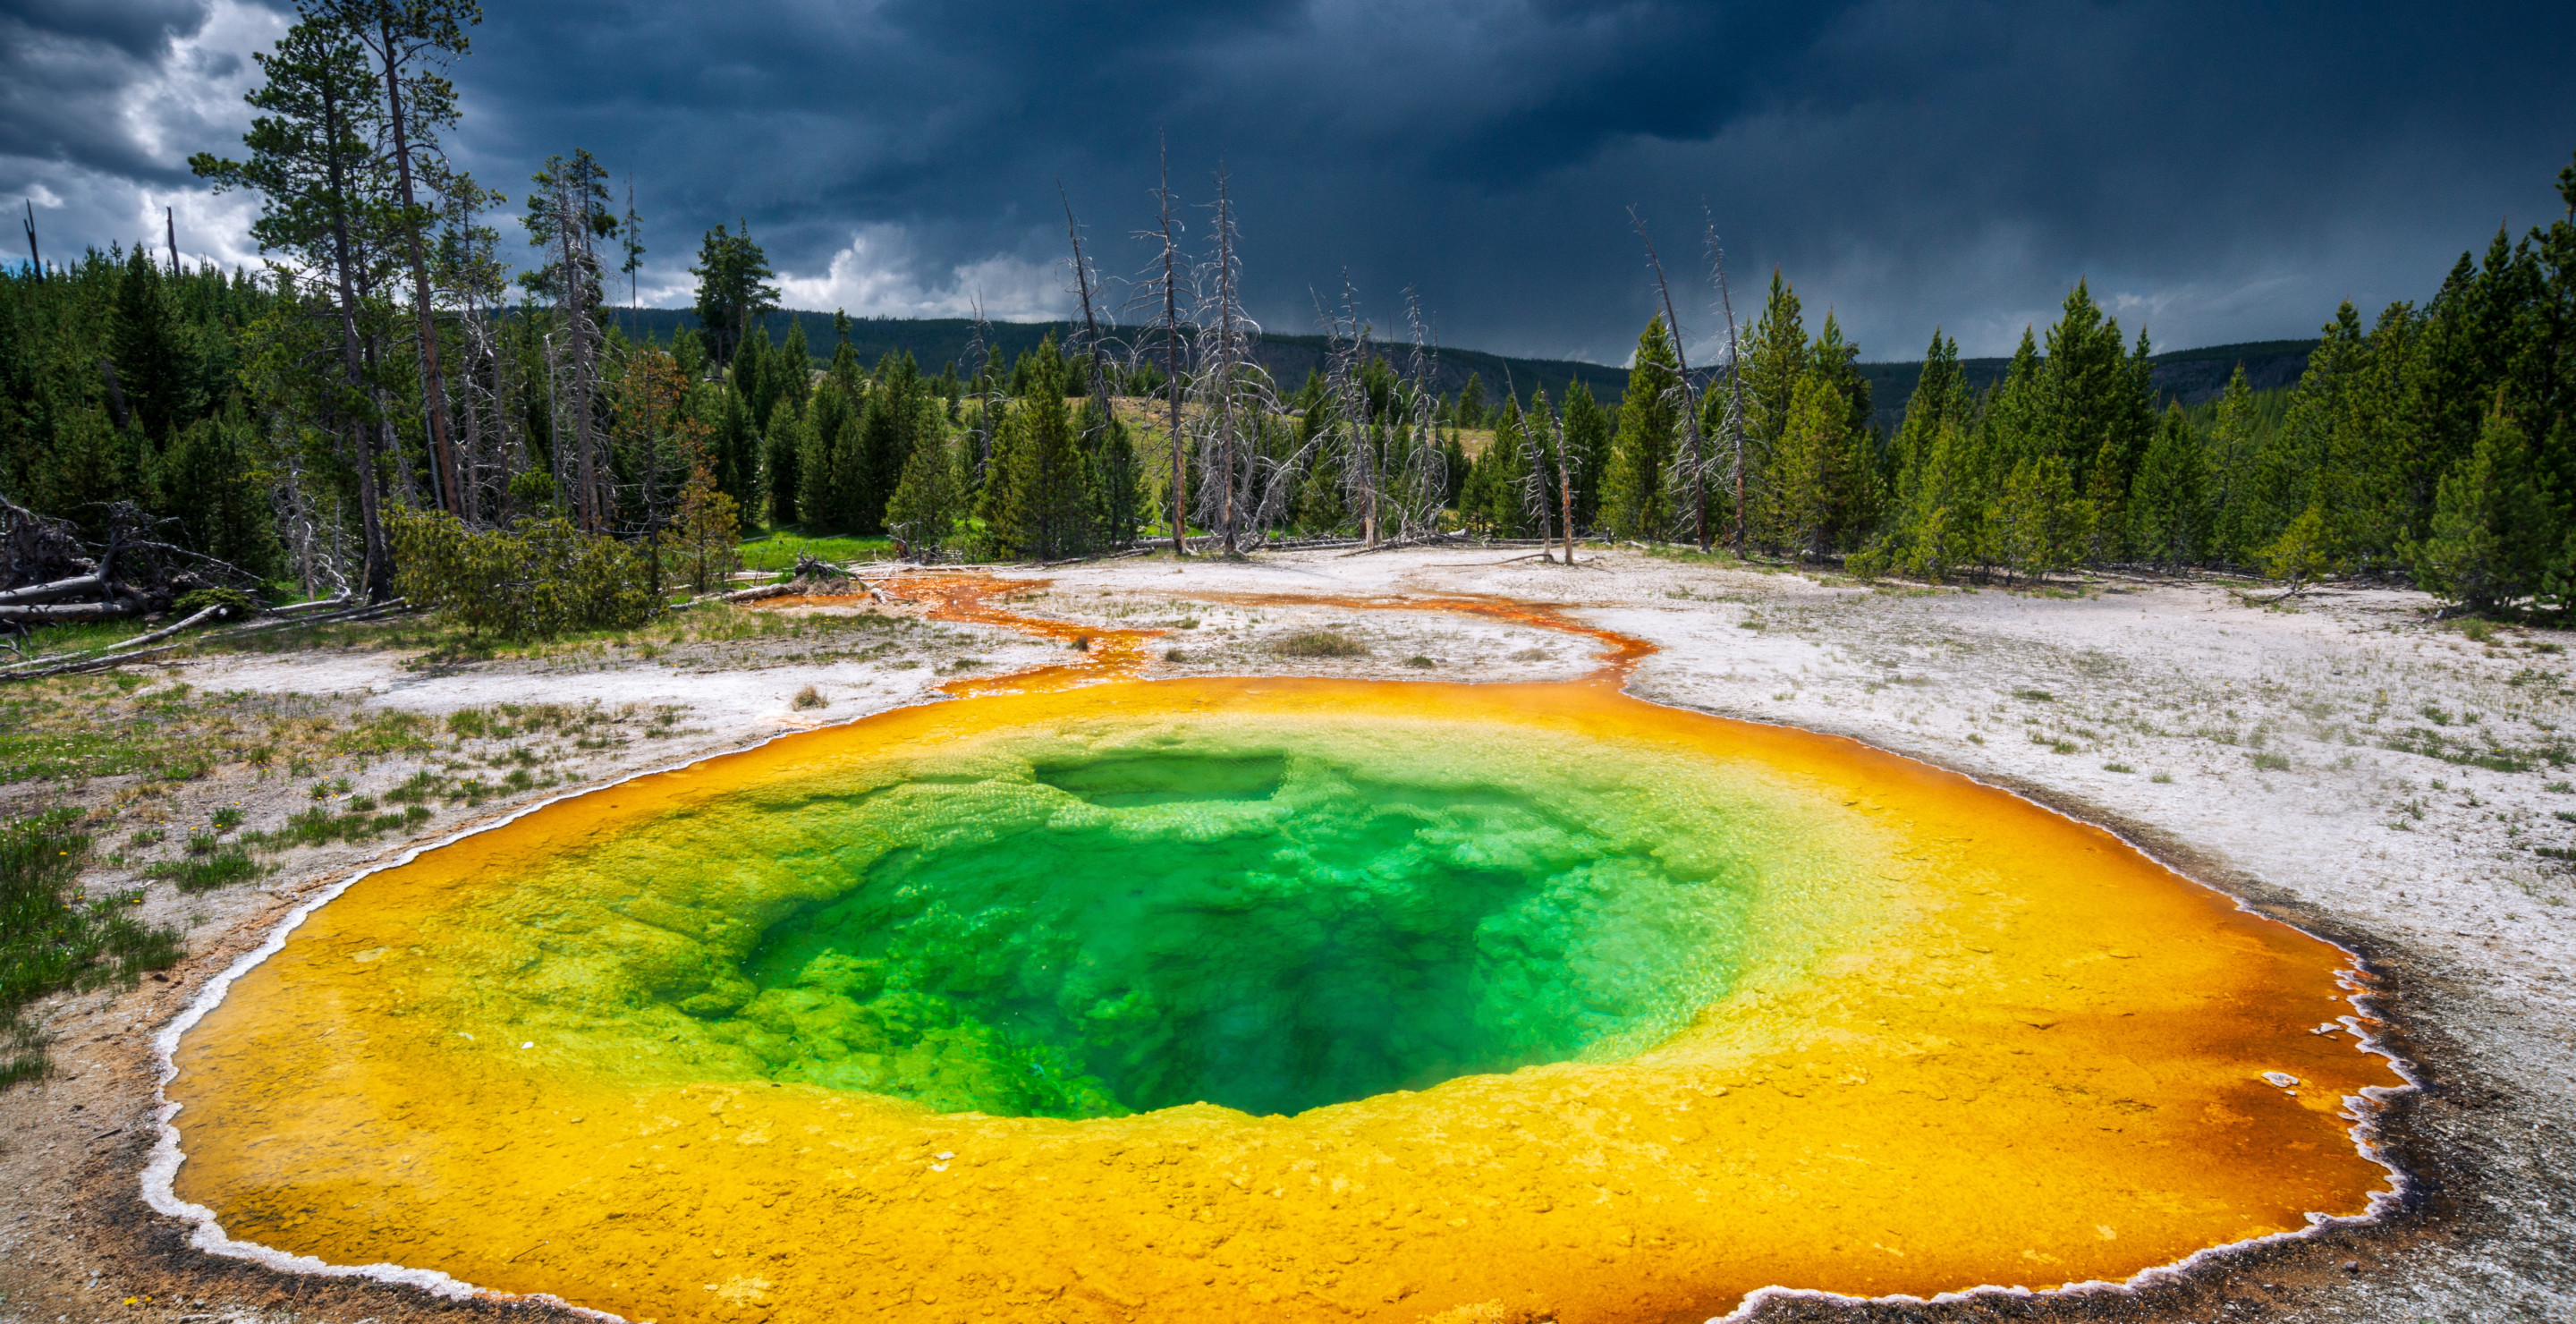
(2103, 519)
(1807, 467)
(831, 424)
(2034, 522)
(732, 293)
(2168, 501)
(923, 511)
(1116, 479)
(751, 378)
(1038, 503)
(156, 363)
(734, 443)
(782, 457)
(1587, 445)
(1471, 403)
(209, 483)
(2228, 465)
(788, 374)
(1642, 450)
(2491, 524)
(1493, 504)
(1776, 357)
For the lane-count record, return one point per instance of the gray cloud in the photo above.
(2220, 171)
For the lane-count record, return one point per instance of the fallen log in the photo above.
(39, 668)
(60, 588)
(64, 612)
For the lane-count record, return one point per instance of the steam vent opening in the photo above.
(1263, 933)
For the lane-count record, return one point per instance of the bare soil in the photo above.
(2343, 761)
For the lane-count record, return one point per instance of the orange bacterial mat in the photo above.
(1961, 1040)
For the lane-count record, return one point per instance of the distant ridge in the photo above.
(2191, 376)
(937, 341)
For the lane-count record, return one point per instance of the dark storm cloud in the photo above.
(2218, 171)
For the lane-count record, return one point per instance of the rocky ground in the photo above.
(2397, 784)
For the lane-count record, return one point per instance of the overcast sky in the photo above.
(2222, 171)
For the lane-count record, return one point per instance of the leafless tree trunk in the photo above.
(433, 381)
(1169, 285)
(1226, 351)
(590, 502)
(1692, 467)
(379, 575)
(1090, 324)
(1734, 378)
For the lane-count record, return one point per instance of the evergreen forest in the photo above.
(431, 384)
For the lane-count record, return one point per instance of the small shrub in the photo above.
(810, 697)
(535, 580)
(146, 837)
(2477, 631)
(417, 787)
(223, 868)
(227, 818)
(1975, 739)
(2272, 762)
(1175, 655)
(53, 938)
(1418, 660)
(202, 843)
(1318, 643)
(324, 790)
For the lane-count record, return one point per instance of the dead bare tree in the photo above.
(1734, 379)
(1231, 388)
(1691, 465)
(1160, 293)
(576, 345)
(1350, 420)
(988, 393)
(1420, 473)
(1083, 279)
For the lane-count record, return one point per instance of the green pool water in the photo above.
(1089, 918)
(1266, 933)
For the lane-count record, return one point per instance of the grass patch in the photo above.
(318, 826)
(810, 698)
(1318, 643)
(2035, 696)
(778, 551)
(2117, 767)
(207, 870)
(53, 937)
(2272, 762)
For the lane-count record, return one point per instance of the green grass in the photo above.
(779, 550)
(206, 871)
(1318, 643)
(54, 937)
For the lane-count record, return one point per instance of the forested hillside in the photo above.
(402, 402)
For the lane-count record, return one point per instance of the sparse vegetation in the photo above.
(54, 936)
(1319, 643)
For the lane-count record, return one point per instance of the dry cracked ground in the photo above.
(2345, 761)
